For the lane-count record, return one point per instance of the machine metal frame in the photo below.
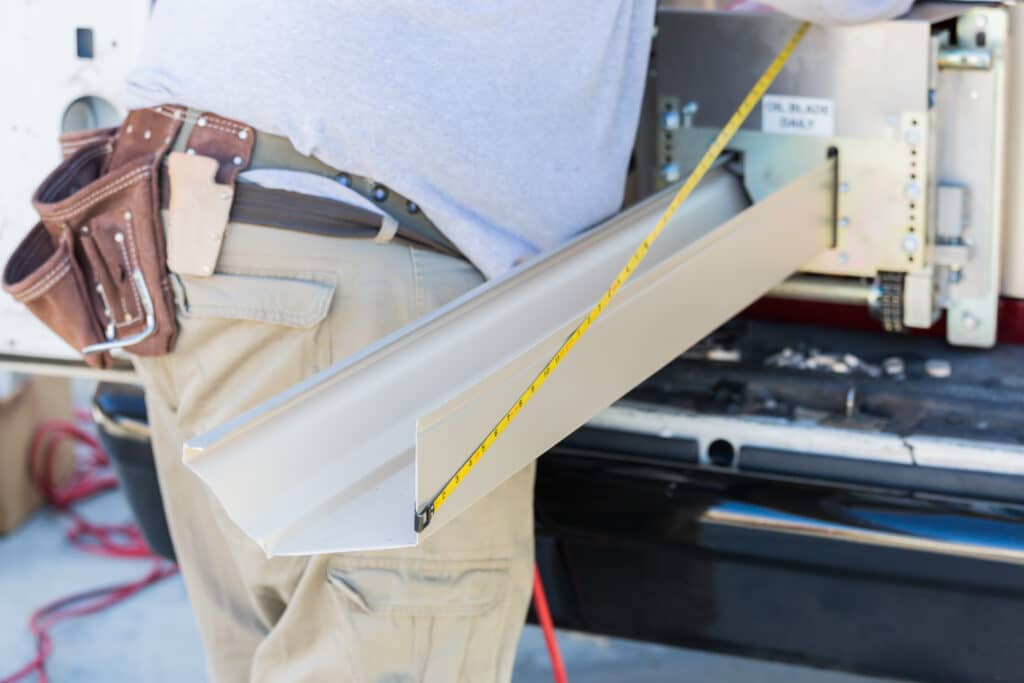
(917, 108)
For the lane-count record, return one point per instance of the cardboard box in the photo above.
(25, 402)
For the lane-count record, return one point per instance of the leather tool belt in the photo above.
(94, 269)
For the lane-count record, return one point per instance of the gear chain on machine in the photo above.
(426, 514)
(890, 301)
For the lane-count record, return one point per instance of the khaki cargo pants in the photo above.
(281, 306)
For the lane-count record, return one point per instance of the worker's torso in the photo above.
(510, 122)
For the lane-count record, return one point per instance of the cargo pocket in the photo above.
(293, 300)
(422, 619)
(244, 337)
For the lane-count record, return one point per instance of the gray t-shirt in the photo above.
(510, 122)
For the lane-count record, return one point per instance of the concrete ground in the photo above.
(151, 637)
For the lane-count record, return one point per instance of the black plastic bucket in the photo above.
(120, 415)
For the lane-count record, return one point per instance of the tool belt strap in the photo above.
(316, 215)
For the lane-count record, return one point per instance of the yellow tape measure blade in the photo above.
(424, 516)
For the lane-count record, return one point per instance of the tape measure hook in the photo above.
(423, 518)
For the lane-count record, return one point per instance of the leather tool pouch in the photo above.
(94, 268)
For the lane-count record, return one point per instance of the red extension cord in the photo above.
(540, 605)
(126, 541)
(106, 540)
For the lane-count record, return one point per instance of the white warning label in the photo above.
(798, 115)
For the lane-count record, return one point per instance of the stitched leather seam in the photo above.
(223, 121)
(131, 264)
(38, 290)
(223, 128)
(47, 283)
(222, 124)
(120, 290)
(100, 194)
(171, 114)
